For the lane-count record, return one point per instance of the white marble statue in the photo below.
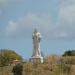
(36, 43)
(36, 36)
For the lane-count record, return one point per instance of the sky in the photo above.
(54, 19)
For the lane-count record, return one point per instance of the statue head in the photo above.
(36, 34)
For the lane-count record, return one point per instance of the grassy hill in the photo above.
(53, 65)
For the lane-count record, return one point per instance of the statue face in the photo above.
(38, 35)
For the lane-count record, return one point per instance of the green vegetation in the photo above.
(53, 65)
(69, 53)
(7, 56)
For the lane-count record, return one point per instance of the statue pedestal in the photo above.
(36, 59)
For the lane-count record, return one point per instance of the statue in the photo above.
(36, 46)
(36, 43)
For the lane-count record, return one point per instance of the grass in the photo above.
(47, 68)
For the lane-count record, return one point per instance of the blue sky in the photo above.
(54, 19)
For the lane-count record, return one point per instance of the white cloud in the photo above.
(66, 20)
(67, 11)
(64, 28)
(11, 28)
(27, 24)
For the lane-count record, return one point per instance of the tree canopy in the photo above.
(8, 55)
(69, 53)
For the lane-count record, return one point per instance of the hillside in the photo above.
(53, 65)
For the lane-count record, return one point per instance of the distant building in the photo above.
(36, 56)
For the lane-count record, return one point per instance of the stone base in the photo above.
(36, 59)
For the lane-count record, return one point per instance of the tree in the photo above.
(69, 53)
(6, 56)
(3, 61)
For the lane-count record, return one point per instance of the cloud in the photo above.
(11, 28)
(67, 11)
(66, 20)
(64, 28)
(26, 24)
